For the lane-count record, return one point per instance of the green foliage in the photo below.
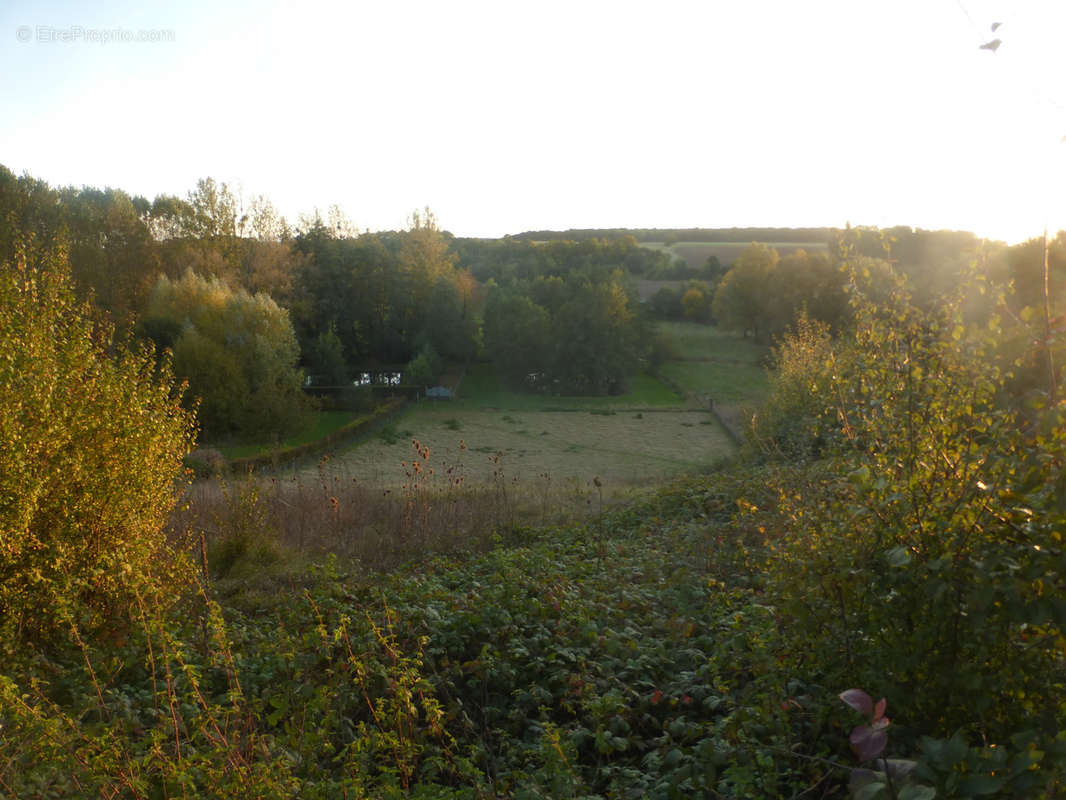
(764, 294)
(666, 303)
(328, 365)
(797, 419)
(740, 298)
(515, 259)
(583, 337)
(664, 347)
(92, 437)
(926, 547)
(424, 369)
(517, 336)
(238, 352)
(387, 294)
(205, 463)
(696, 304)
(245, 539)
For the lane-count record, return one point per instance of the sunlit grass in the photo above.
(622, 447)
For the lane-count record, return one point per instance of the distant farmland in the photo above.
(697, 253)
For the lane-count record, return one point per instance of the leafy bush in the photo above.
(205, 463)
(92, 437)
(924, 554)
(423, 368)
(799, 415)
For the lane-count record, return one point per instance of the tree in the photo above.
(328, 365)
(237, 350)
(424, 368)
(92, 436)
(695, 303)
(590, 342)
(740, 301)
(598, 341)
(926, 546)
(666, 303)
(517, 336)
(449, 327)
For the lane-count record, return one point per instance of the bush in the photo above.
(925, 548)
(799, 415)
(205, 463)
(92, 437)
(424, 368)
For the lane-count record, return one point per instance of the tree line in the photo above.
(252, 306)
(673, 235)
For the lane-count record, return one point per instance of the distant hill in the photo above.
(672, 235)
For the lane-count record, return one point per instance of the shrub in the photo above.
(926, 547)
(799, 414)
(205, 462)
(92, 437)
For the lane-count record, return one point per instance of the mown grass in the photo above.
(624, 448)
(714, 364)
(481, 388)
(698, 342)
(721, 382)
(319, 425)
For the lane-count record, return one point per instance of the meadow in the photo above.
(651, 433)
(621, 447)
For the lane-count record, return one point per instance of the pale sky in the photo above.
(510, 116)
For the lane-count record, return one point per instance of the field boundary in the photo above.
(728, 418)
(357, 427)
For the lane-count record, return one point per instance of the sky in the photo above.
(510, 116)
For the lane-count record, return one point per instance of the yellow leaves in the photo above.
(99, 445)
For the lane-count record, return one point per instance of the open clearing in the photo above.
(637, 439)
(698, 342)
(623, 448)
(716, 365)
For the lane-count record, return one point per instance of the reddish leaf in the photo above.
(859, 700)
(867, 743)
(879, 709)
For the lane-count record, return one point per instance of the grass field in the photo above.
(716, 365)
(481, 389)
(319, 424)
(637, 439)
(622, 448)
(734, 384)
(699, 342)
(697, 253)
